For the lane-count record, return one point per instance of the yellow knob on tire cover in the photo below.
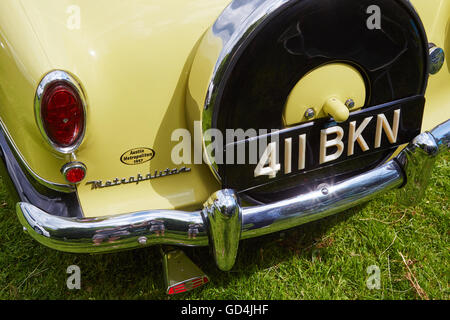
(315, 90)
(337, 109)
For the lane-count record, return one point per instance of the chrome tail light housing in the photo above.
(60, 111)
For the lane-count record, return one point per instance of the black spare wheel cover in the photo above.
(301, 36)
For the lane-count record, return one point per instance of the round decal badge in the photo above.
(137, 156)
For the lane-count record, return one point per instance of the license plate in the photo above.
(324, 142)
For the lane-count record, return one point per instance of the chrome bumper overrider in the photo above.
(223, 221)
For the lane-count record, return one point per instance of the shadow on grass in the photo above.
(271, 250)
(40, 273)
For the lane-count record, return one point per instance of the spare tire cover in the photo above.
(259, 73)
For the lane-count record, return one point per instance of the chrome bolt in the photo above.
(350, 103)
(310, 113)
(436, 58)
(323, 188)
(142, 240)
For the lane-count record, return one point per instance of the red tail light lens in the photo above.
(74, 172)
(75, 175)
(187, 285)
(62, 114)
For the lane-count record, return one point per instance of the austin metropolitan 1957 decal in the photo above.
(137, 156)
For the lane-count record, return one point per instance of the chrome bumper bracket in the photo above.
(223, 214)
(417, 161)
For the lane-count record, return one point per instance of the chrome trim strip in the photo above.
(66, 188)
(223, 219)
(49, 78)
(232, 27)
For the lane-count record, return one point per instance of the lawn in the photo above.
(327, 259)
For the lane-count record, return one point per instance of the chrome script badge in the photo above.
(98, 184)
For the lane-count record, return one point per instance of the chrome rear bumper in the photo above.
(223, 221)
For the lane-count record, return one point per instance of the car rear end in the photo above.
(111, 115)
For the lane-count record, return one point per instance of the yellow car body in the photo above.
(134, 60)
(137, 56)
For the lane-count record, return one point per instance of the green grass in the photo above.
(326, 259)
